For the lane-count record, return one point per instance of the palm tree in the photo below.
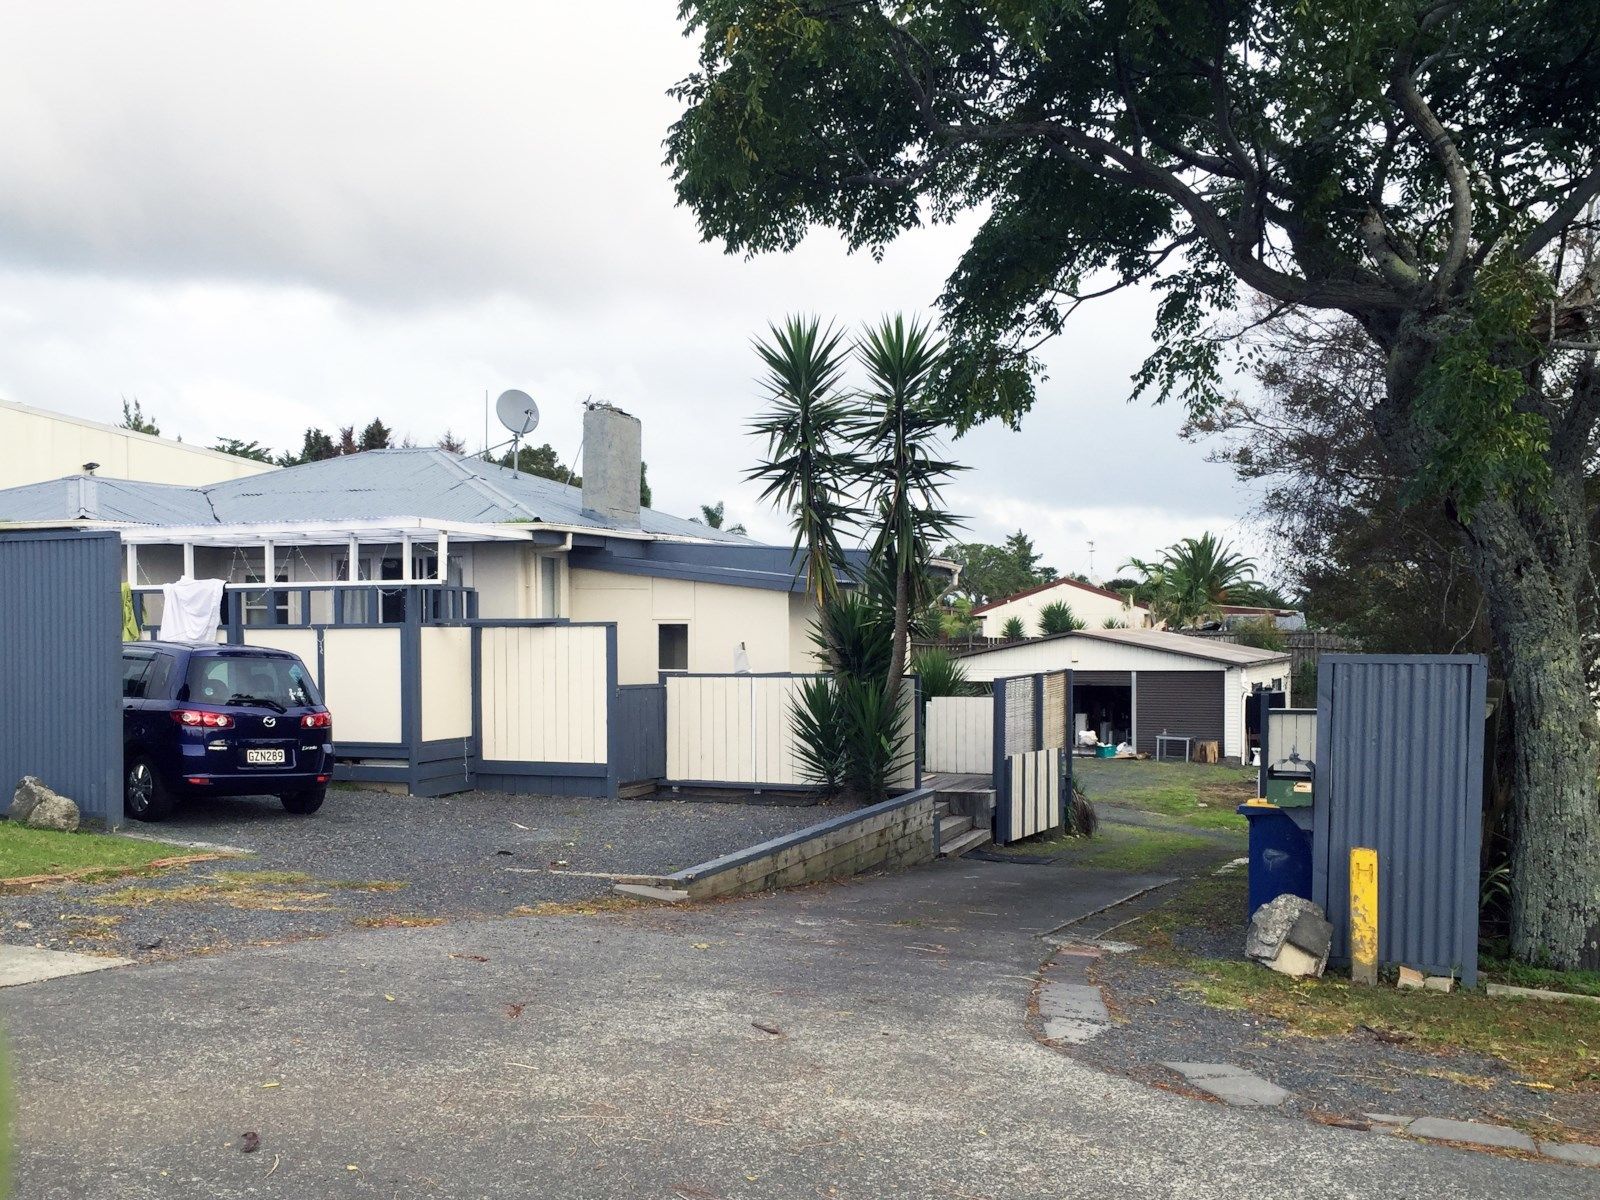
(807, 422)
(1194, 578)
(897, 436)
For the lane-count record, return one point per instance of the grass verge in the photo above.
(1554, 1045)
(1494, 963)
(1193, 794)
(1134, 848)
(28, 852)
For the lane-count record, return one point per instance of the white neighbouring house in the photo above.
(36, 445)
(1090, 604)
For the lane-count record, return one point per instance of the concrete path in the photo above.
(865, 1040)
(33, 964)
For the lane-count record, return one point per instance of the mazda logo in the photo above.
(269, 722)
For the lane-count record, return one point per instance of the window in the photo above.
(160, 676)
(238, 678)
(255, 603)
(549, 587)
(672, 647)
(134, 669)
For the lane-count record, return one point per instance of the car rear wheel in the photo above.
(304, 803)
(144, 796)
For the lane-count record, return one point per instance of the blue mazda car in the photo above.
(212, 720)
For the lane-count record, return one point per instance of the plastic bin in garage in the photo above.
(1280, 854)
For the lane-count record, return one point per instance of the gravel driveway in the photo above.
(378, 860)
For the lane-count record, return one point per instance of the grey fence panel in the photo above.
(641, 716)
(60, 657)
(1400, 770)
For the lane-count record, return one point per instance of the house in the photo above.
(1092, 605)
(683, 596)
(1132, 685)
(36, 445)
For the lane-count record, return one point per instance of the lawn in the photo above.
(1133, 848)
(25, 852)
(1194, 794)
(1557, 1044)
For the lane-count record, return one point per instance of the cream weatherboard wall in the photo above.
(719, 618)
(1088, 605)
(36, 446)
(361, 683)
(960, 737)
(445, 678)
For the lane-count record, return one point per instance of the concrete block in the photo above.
(1410, 979)
(1072, 1012)
(1439, 983)
(1442, 1129)
(1572, 1152)
(1232, 1085)
(644, 891)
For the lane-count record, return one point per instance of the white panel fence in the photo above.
(739, 730)
(544, 694)
(960, 735)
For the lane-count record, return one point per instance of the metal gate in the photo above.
(1399, 770)
(1032, 754)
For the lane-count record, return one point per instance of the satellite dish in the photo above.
(517, 412)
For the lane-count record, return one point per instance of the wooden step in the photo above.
(966, 841)
(952, 826)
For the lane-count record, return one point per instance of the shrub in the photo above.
(1262, 633)
(819, 731)
(1057, 617)
(941, 674)
(1012, 630)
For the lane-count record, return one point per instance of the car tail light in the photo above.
(202, 720)
(320, 720)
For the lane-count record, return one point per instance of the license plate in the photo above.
(264, 758)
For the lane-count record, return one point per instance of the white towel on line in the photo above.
(191, 609)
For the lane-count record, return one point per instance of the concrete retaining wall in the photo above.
(895, 833)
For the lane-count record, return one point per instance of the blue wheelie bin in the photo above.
(1280, 854)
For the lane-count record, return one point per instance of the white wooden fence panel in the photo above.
(1035, 792)
(361, 683)
(446, 678)
(960, 737)
(543, 696)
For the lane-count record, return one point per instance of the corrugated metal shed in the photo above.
(1400, 770)
(60, 654)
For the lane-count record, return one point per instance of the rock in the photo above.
(1290, 935)
(54, 812)
(26, 798)
(1410, 978)
(1439, 983)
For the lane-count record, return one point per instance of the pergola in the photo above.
(270, 538)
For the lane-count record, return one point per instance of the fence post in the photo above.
(1002, 766)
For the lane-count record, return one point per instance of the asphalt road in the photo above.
(633, 1055)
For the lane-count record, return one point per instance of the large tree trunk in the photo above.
(1531, 563)
(902, 632)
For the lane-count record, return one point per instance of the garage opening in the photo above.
(1106, 708)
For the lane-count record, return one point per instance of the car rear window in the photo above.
(247, 678)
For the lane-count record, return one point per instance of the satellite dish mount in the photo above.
(518, 413)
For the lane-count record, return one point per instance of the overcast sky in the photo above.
(259, 217)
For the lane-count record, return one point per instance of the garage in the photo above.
(1135, 685)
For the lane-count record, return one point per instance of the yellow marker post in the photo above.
(1363, 915)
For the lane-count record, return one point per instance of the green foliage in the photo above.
(543, 462)
(819, 729)
(1058, 617)
(250, 450)
(852, 633)
(1262, 633)
(375, 436)
(957, 622)
(809, 467)
(989, 573)
(1470, 405)
(1303, 685)
(874, 734)
(1193, 579)
(315, 447)
(133, 418)
(1113, 623)
(1013, 630)
(940, 673)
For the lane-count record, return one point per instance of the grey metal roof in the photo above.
(92, 498)
(1228, 653)
(422, 482)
